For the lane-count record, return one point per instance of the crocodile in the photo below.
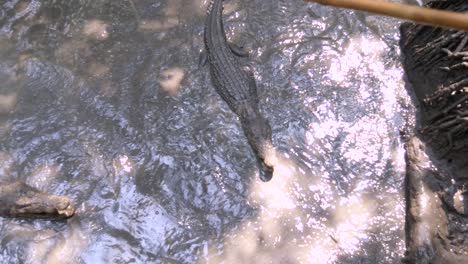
(17, 199)
(236, 85)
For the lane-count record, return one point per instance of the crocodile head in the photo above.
(18, 199)
(258, 132)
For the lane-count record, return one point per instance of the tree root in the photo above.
(454, 126)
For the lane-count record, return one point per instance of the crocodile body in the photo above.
(236, 86)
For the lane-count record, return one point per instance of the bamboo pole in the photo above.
(421, 15)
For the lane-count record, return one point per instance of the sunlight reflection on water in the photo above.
(307, 214)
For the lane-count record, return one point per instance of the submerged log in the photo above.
(18, 199)
(436, 65)
(429, 236)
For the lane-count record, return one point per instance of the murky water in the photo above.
(104, 101)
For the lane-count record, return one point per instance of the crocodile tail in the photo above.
(210, 7)
(214, 19)
(212, 4)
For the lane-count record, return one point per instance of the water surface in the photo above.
(104, 101)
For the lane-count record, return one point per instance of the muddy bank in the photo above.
(436, 64)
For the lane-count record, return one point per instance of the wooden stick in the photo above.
(421, 15)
